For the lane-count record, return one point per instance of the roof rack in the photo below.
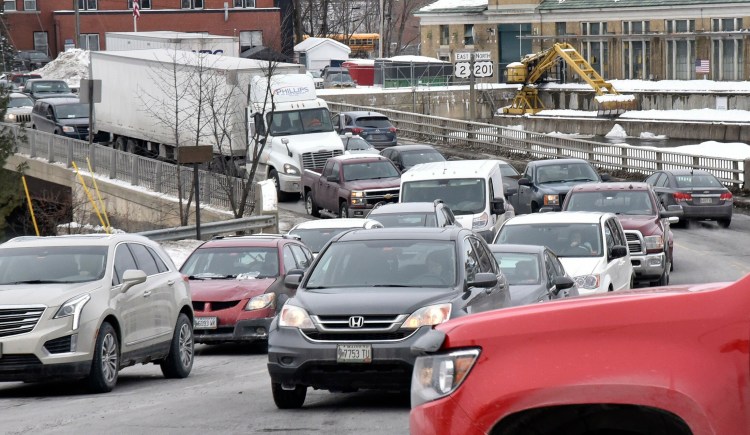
(259, 236)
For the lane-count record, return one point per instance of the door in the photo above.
(328, 191)
(619, 269)
(522, 201)
(161, 282)
(134, 306)
(660, 182)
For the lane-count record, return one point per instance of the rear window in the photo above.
(697, 180)
(405, 220)
(316, 238)
(373, 122)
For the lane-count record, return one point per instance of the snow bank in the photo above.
(650, 136)
(71, 66)
(616, 132)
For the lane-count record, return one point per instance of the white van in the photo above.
(473, 189)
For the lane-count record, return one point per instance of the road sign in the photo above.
(463, 57)
(483, 69)
(462, 70)
(482, 55)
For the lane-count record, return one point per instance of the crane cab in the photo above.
(516, 73)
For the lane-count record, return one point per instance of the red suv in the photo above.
(238, 284)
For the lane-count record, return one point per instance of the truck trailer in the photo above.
(198, 42)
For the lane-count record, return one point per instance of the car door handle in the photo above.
(147, 293)
(170, 282)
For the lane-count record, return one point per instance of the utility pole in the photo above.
(78, 24)
(472, 97)
(382, 35)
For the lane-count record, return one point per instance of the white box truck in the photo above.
(141, 89)
(300, 134)
(198, 42)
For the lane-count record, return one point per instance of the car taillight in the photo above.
(726, 196)
(357, 130)
(680, 196)
(392, 129)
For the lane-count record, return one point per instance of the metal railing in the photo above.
(527, 145)
(248, 224)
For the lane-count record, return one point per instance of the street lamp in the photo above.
(380, 46)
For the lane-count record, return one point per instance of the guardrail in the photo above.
(527, 145)
(248, 224)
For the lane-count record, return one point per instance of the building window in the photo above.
(726, 24)
(9, 5)
(636, 27)
(680, 26)
(593, 28)
(445, 37)
(728, 60)
(29, 5)
(40, 42)
(87, 5)
(597, 54)
(680, 59)
(250, 38)
(635, 55)
(244, 3)
(142, 4)
(561, 29)
(89, 41)
(468, 34)
(192, 4)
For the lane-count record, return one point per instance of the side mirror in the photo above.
(132, 277)
(333, 178)
(524, 182)
(672, 211)
(562, 283)
(674, 219)
(606, 177)
(498, 206)
(291, 281)
(510, 191)
(483, 280)
(618, 251)
(260, 126)
(48, 116)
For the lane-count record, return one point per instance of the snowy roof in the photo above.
(168, 35)
(183, 57)
(309, 43)
(611, 4)
(454, 6)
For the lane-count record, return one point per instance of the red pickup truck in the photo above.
(668, 361)
(350, 185)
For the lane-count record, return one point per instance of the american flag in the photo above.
(702, 66)
(136, 9)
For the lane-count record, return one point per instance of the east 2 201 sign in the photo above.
(481, 66)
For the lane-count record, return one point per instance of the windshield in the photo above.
(519, 268)
(339, 77)
(373, 122)
(462, 195)
(70, 111)
(411, 158)
(508, 170)
(697, 180)
(316, 238)
(566, 172)
(57, 264)
(619, 202)
(565, 240)
(51, 87)
(232, 262)
(370, 170)
(300, 122)
(20, 102)
(405, 219)
(385, 263)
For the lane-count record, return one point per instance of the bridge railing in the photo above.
(526, 145)
(148, 173)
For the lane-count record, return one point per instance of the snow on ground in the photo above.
(179, 250)
(71, 66)
(731, 150)
(617, 131)
(651, 136)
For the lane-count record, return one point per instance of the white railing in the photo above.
(526, 145)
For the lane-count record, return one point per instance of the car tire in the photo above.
(273, 175)
(343, 210)
(288, 399)
(534, 207)
(724, 223)
(105, 364)
(663, 279)
(310, 207)
(179, 362)
(120, 143)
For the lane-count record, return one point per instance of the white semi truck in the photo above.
(150, 97)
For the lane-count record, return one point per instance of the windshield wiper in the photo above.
(37, 281)
(390, 285)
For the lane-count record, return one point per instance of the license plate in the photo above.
(354, 353)
(205, 323)
(706, 201)
(377, 137)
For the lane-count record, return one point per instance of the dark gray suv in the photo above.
(369, 295)
(413, 214)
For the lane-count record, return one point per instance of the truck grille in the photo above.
(19, 320)
(82, 129)
(635, 241)
(381, 195)
(318, 160)
(374, 328)
(213, 306)
(23, 118)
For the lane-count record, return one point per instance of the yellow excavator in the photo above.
(534, 69)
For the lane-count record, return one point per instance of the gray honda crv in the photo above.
(367, 298)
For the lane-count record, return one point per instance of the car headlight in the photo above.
(10, 117)
(68, 129)
(73, 307)
(437, 376)
(590, 282)
(428, 316)
(261, 301)
(295, 317)
(551, 200)
(290, 169)
(358, 197)
(481, 221)
(654, 242)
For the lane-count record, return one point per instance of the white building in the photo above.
(315, 53)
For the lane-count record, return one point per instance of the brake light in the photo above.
(726, 196)
(357, 130)
(680, 196)
(392, 129)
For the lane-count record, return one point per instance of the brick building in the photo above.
(622, 39)
(49, 25)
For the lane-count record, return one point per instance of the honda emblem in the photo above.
(356, 322)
